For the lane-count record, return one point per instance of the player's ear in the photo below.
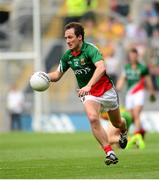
(80, 37)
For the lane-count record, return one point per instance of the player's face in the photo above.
(133, 57)
(72, 40)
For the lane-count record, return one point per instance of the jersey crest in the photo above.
(82, 61)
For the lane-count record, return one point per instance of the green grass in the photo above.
(37, 155)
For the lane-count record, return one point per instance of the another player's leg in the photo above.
(117, 122)
(137, 141)
(135, 103)
(92, 109)
(136, 116)
(137, 121)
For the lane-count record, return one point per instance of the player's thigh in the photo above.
(92, 109)
(137, 110)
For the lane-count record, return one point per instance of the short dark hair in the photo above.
(133, 50)
(78, 28)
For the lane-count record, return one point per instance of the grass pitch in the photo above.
(37, 156)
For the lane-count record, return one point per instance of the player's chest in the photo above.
(133, 73)
(78, 62)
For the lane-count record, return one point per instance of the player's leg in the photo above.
(136, 140)
(113, 134)
(138, 107)
(136, 116)
(92, 109)
(117, 122)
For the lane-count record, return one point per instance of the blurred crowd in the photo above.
(114, 26)
(118, 31)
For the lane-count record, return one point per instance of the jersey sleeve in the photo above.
(63, 65)
(145, 71)
(95, 54)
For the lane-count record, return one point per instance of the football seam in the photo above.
(44, 77)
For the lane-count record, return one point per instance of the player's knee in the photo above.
(117, 124)
(93, 118)
(136, 116)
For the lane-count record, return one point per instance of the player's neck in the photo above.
(134, 65)
(78, 48)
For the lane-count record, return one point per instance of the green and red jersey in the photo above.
(83, 65)
(135, 77)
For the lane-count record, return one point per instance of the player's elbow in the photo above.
(100, 66)
(102, 69)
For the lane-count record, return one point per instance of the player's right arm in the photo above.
(150, 88)
(120, 82)
(149, 84)
(55, 75)
(62, 68)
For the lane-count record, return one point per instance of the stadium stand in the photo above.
(116, 25)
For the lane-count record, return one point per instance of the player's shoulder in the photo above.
(90, 45)
(142, 65)
(66, 54)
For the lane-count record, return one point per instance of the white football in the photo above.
(39, 81)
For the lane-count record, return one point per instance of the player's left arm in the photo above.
(98, 73)
(150, 87)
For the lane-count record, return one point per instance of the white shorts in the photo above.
(109, 100)
(136, 99)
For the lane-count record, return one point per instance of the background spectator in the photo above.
(15, 105)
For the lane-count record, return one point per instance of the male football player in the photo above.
(95, 88)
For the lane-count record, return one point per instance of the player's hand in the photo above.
(152, 98)
(45, 76)
(84, 91)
